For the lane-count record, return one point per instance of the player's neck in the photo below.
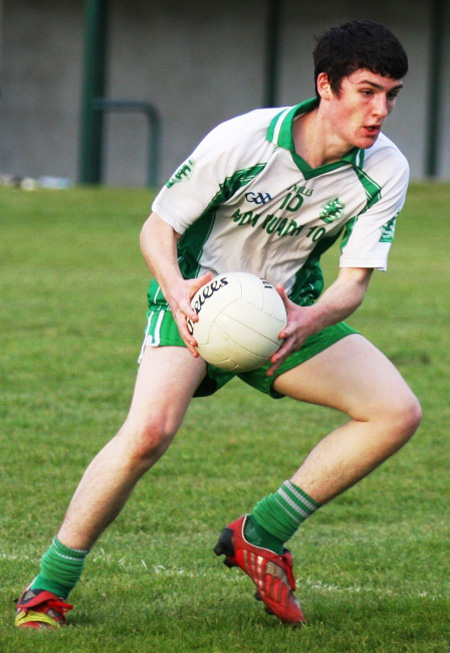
(315, 140)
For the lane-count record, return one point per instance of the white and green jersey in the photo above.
(244, 200)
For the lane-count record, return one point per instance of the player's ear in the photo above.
(323, 86)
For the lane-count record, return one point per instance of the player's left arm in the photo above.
(339, 301)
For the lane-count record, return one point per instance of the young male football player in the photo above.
(267, 192)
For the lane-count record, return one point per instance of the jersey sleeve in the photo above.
(368, 237)
(202, 178)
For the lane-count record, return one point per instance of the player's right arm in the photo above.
(159, 248)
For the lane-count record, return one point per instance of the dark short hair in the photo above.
(358, 44)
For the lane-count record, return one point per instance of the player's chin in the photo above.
(368, 140)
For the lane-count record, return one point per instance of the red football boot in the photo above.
(41, 609)
(271, 572)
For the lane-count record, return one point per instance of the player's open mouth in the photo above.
(372, 130)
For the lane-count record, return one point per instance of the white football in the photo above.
(240, 317)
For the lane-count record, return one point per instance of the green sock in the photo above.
(277, 517)
(61, 569)
(257, 535)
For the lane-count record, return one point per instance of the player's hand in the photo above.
(298, 327)
(180, 303)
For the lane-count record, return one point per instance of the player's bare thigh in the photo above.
(352, 376)
(165, 383)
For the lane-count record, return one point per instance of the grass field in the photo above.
(371, 567)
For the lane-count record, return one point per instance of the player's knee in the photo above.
(148, 441)
(404, 415)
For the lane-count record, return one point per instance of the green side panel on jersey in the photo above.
(190, 245)
(348, 232)
(373, 194)
(309, 279)
(372, 189)
(388, 230)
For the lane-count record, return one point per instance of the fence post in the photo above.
(91, 128)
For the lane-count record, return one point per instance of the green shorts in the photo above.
(162, 331)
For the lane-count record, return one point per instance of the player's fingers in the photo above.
(186, 334)
(289, 328)
(286, 301)
(187, 311)
(200, 281)
(194, 285)
(280, 355)
(273, 368)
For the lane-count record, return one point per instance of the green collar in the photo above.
(280, 133)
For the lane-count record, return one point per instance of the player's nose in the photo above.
(381, 106)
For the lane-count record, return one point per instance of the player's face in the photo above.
(360, 109)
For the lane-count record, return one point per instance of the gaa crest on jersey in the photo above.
(183, 173)
(258, 198)
(388, 230)
(332, 210)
